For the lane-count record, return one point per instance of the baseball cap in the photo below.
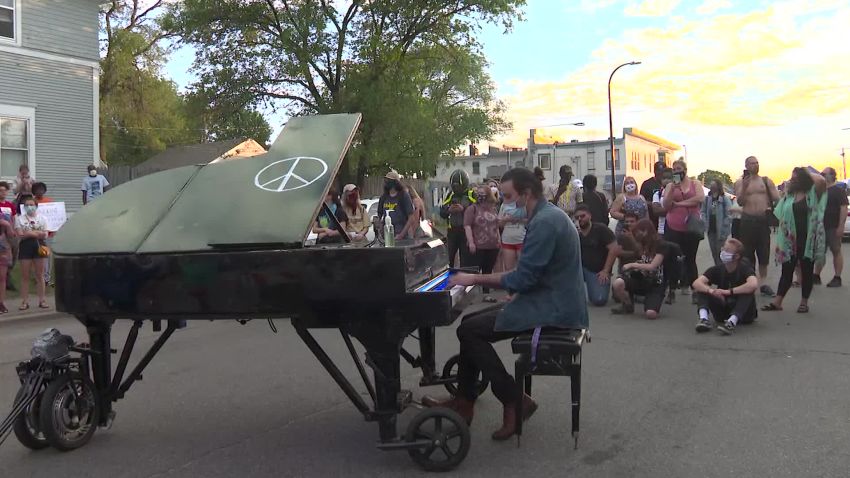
(393, 174)
(349, 188)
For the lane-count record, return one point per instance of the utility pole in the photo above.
(611, 132)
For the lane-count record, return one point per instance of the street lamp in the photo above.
(611, 131)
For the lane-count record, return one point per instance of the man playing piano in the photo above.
(548, 291)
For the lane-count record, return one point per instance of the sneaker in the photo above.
(835, 282)
(727, 328)
(816, 280)
(767, 291)
(703, 325)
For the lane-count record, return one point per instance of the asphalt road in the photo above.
(225, 400)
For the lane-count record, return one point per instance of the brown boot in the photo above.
(465, 408)
(509, 419)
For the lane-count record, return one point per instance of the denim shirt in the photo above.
(724, 220)
(548, 280)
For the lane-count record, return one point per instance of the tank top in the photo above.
(677, 216)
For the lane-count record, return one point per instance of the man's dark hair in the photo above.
(659, 167)
(36, 186)
(524, 181)
(632, 215)
(538, 173)
(4, 184)
(589, 182)
(90, 167)
(582, 208)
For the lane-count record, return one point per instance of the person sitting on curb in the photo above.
(727, 291)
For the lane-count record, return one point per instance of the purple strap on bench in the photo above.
(535, 341)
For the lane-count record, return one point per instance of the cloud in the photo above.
(767, 71)
(710, 6)
(651, 8)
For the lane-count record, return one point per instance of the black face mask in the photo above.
(391, 184)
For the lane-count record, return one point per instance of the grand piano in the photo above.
(225, 242)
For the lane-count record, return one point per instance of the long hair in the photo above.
(801, 181)
(649, 242)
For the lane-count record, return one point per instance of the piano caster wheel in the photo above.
(450, 371)
(449, 439)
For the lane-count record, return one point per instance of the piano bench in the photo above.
(558, 354)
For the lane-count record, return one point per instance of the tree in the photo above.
(141, 112)
(710, 175)
(412, 67)
(213, 123)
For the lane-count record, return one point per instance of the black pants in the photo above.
(486, 259)
(456, 243)
(690, 245)
(742, 306)
(476, 335)
(807, 270)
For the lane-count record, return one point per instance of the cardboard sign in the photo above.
(53, 213)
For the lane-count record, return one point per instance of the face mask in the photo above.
(93, 173)
(30, 210)
(677, 177)
(494, 190)
(726, 257)
(520, 203)
(631, 187)
(333, 207)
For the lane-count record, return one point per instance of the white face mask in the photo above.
(93, 173)
(494, 190)
(631, 187)
(726, 257)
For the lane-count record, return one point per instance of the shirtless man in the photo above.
(757, 195)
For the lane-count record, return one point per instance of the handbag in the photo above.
(695, 225)
(43, 250)
(772, 220)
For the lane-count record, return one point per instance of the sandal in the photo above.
(770, 307)
(24, 306)
(803, 309)
(43, 305)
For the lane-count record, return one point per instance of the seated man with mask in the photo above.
(548, 291)
(727, 291)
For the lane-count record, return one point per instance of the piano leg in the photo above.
(101, 364)
(427, 348)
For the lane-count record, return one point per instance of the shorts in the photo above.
(653, 293)
(833, 241)
(28, 249)
(754, 234)
(512, 247)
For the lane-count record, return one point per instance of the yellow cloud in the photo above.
(712, 83)
(710, 6)
(651, 8)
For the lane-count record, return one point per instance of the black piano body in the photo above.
(181, 253)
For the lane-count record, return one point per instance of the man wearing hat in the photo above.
(358, 221)
(395, 200)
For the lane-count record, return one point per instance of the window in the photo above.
(476, 167)
(545, 161)
(620, 164)
(16, 140)
(8, 20)
(591, 162)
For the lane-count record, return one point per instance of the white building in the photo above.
(637, 153)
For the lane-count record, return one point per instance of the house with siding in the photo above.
(49, 69)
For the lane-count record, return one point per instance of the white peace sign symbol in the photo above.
(280, 184)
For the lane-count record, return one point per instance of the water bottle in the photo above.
(389, 231)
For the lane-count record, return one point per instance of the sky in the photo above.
(726, 78)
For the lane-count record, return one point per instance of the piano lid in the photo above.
(268, 199)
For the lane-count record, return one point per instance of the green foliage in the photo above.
(710, 175)
(412, 67)
(142, 113)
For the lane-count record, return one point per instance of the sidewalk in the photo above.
(33, 313)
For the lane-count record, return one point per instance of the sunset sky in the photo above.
(726, 78)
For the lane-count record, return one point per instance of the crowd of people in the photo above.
(25, 238)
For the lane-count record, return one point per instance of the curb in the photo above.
(35, 316)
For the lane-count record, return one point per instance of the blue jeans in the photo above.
(597, 293)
